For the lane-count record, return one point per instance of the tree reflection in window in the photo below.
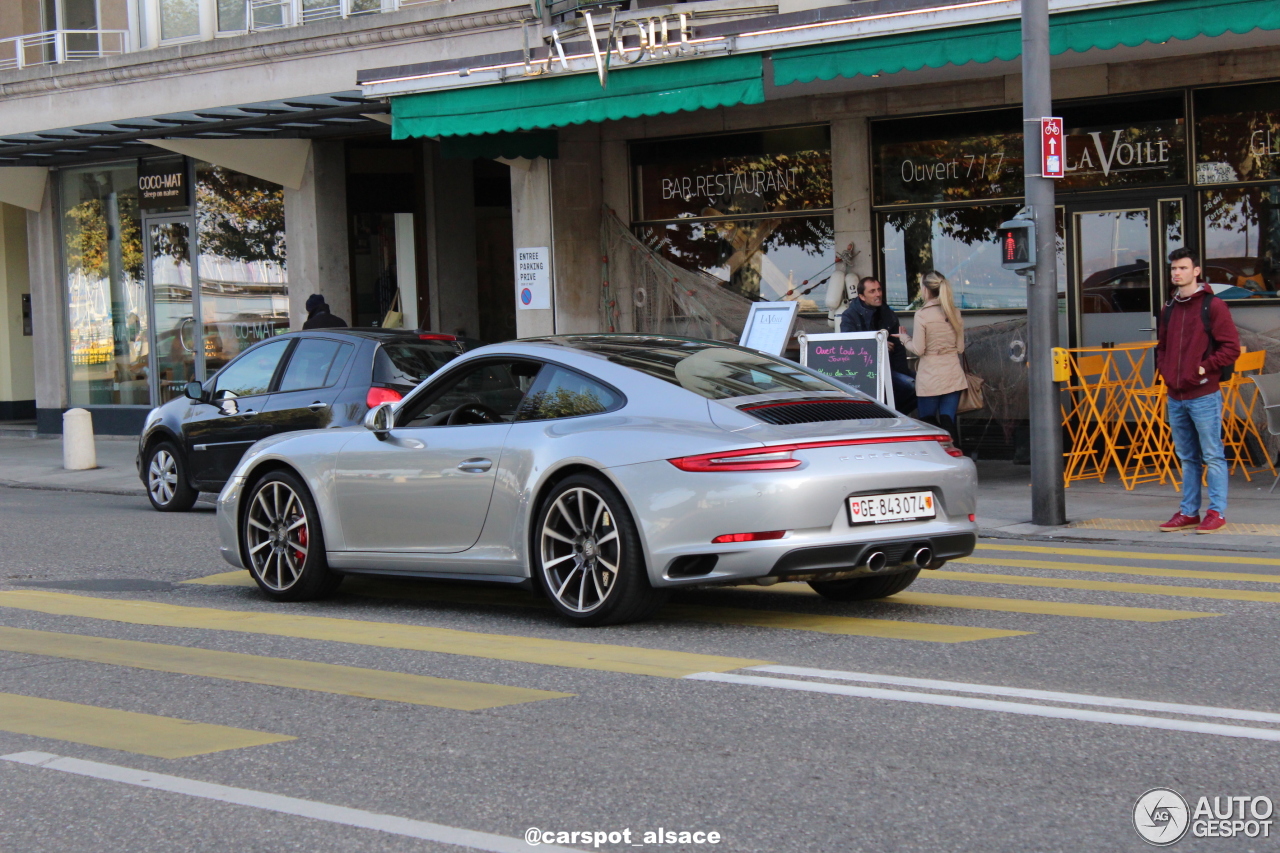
(1242, 241)
(958, 241)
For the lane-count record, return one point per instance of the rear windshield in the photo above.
(710, 370)
(408, 363)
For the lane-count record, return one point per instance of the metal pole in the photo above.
(1048, 504)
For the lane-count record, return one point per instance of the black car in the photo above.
(300, 380)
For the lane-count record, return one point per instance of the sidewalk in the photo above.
(1099, 512)
(1106, 512)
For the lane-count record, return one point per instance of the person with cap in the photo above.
(318, 316)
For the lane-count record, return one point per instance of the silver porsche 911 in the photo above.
(605, 470)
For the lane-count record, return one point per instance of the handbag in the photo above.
(395, 317)
(971, 398)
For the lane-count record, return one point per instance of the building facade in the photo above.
(518, 169)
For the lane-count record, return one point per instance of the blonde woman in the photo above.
(938, 340)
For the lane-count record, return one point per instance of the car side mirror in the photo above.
(378, 420)
(194, 391)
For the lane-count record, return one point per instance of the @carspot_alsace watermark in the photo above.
(1162, 817)
(535, 837)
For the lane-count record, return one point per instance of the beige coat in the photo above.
(939, 371)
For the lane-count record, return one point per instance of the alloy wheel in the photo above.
(277, 533)
(580, 550)
(162, 476)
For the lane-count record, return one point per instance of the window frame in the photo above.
(293, 351)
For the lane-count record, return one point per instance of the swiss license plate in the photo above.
(897, 506)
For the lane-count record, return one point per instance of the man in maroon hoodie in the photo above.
(1190, 358)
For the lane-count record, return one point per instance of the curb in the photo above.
(1196, 544)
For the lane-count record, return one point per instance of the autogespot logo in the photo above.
(1161, 816)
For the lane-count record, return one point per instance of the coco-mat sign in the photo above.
(162, 184)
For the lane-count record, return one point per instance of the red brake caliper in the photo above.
(302, 540)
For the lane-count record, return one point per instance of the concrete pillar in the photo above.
(851, 188)
(451, 244)
(577, 197)
(315, 220)
(531, 225)
(49, 323)
(17, 366)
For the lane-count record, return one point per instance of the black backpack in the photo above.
(1208, 326)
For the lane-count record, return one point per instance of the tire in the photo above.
(865, 589)
(167, 485)
(587, 556)
(283, 541)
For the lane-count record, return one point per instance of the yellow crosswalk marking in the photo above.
(1050, 608)
(597, 656)
(1110, 586)
(1020, 605)
(1130, 555)
(1064, 566)
(255, 669)
(145, 734)
(850, 626)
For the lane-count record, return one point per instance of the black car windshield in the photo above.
(708, 369)
(406, 363)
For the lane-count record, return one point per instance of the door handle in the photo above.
(317, 406)
(475, 466)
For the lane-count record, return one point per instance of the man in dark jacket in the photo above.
(1190, 358)
(318, 316)
(868, 313)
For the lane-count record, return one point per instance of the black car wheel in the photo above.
(167, 486)
(587, 555)
(283, 541)
(865, 589)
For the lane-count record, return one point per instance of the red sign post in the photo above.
(1052, 148)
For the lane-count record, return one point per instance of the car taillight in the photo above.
(748, 537)
(751, 459)
(780, 455)
(382, 395)
(437, 337)
(949, 445)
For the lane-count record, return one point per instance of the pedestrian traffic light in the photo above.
(1018, 245)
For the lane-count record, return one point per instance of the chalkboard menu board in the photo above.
(857, 359)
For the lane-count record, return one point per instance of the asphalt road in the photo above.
(503, 718)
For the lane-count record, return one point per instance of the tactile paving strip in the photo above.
(1144, 525)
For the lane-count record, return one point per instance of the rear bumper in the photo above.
(898, 554)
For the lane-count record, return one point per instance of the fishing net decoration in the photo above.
(646, 293)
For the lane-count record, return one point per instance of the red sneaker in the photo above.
(1180, 522)
(1213, 522)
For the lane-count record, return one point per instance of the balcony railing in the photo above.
(56, 46)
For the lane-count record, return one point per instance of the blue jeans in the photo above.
(1197, 436)
(904, 391)
(943, 406)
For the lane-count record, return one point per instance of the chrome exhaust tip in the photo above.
(922, 557)
(876, 561)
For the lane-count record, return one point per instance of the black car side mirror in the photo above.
(194, 391)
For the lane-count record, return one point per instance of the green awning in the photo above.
(557, 101)
(1105, 28)
(491, 146)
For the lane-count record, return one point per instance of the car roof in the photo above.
(384, 335)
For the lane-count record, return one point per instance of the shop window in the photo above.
(179, 19)
(106, 292)
(1241, 256)
(958, 242)
(244, 282)
(751, 210)
(1237, 134)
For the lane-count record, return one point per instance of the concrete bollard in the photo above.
(78, 451)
